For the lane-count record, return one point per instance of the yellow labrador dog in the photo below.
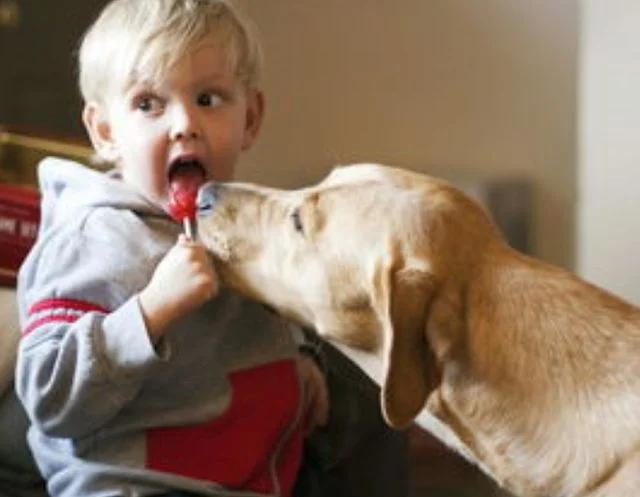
(524, 368)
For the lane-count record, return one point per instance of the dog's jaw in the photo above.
(218, 245)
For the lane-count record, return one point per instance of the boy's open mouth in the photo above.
(186, 176)
(185, 171)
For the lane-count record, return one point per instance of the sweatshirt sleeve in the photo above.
(85, 350)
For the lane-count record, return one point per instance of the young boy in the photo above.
(140, 374)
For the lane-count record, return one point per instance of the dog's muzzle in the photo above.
(208, 195)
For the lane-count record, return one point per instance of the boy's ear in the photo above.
(99, 130)
(253, 118)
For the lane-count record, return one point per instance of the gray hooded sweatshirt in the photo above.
(213, 409)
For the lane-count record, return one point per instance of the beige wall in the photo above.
(609, 168)
(464, 87)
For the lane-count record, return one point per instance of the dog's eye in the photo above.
(297, 221)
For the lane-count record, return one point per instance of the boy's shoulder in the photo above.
(127, 229)
(102, 243)
(109, 228)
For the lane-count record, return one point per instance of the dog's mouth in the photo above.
(185, 176)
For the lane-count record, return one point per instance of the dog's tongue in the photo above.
(183, 189)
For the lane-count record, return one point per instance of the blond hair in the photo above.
(143, 39)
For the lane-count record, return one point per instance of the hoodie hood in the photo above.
(67, 187)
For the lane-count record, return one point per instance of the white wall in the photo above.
(470, 88)
(609, 142)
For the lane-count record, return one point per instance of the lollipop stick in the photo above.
(189, 227)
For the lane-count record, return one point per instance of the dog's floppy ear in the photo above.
(410, 371)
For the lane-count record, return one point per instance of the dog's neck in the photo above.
(541, 381)
(532, 378)
(371, 364)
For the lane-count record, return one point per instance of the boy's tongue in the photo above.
(183, 189)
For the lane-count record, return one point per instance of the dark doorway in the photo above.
(38, 88)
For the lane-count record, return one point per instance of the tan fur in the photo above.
(536, 372)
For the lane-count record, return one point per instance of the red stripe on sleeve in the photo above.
(72, 304)
(58, 310)
(45, 320)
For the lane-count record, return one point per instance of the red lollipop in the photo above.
(183, 190)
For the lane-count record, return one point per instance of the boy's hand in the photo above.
(183, 281)
(316, 394)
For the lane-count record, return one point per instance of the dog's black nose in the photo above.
(207, 197)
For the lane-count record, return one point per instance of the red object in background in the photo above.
(19, 220)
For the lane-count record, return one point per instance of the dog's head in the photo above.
(361, 257)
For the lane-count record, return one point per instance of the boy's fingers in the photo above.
(185, 241)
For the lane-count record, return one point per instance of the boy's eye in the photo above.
(148, 104)
(209, 99)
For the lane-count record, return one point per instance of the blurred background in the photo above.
(537, 93)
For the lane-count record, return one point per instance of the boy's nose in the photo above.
(184, 124)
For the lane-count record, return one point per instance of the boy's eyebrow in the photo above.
(216, 79)
(211, 77)
(137, 79)
(146, 83)
(216, 74)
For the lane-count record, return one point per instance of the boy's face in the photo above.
(201, 114)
